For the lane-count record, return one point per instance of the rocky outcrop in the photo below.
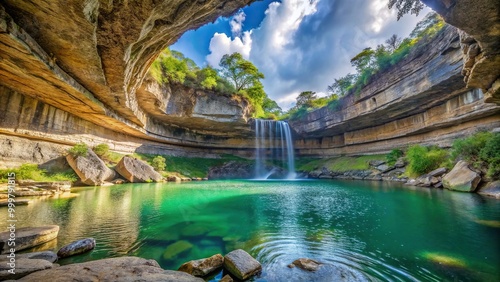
(240, 264)
(461, 178)
(134, 170)
(28, 237)
(480, 22)
(383, 116)
(242, 170)
(90, 168)
(112, 269)
(76, 247)
(203, 267)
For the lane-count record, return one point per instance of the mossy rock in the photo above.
(176, 249)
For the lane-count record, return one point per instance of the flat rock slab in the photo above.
(5, 203)
(134, 170)
(45, 255)
(123, 269)
(203, 267)
(241, 264)
(28, 237)
(77, 247)
(23, 267)
(176, 249)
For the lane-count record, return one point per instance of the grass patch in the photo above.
(31, 171)
(341, 163)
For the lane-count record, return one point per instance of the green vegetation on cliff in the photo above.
(236, 76)
(340, 164)
(369, 64)
(33, 172)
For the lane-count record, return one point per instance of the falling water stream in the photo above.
(273, 140)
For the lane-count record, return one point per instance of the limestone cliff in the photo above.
(422, 99)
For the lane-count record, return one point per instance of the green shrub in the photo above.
(490, 155)
(393, 156)
(158, 163)
(101, 149)
(31, 171)
(469, 148)
(79, 149)
(422, 160)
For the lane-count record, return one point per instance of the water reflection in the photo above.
(389, 232)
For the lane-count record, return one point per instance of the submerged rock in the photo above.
(23, 267)
(135, 170)
(176, 249)
(28, 237)
(324, 273)
(112, 269)
(77, 247)
(241, 264)
(226, 278)
(203, 267)
(306, 264)
(90, 168)
(461, 178)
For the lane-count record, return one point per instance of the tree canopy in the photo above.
(406, 6)
(242, 73)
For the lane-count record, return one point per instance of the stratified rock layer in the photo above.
(28, 237)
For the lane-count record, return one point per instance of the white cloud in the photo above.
(303, 45)
(221, 44)
(236, 24)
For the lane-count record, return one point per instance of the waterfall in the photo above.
(273, 139)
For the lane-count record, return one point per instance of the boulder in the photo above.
(134, 170)
(226, 278)
(28, 237)
(400, 163)
(203, 267)
(231, 170)
(90, 168)
(491, 189)
(76, 247)
(23, 267)
(384, 168)
(306, 264)
(112, 269)
(438, 172)
(174, 178)
(461, 178)
(241, 264)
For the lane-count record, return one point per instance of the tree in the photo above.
(270, 106)
(305, 99)
(207, 77)
(406, 6)
(242, 73)
(158, 163)
(423, 26)
(342, 85)
(393, 42)
(363, 60)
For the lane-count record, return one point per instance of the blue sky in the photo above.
(299, 45)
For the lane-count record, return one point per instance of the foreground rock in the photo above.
(23, 267)
(112, 269)
(135, 170)
(461, 178)
(28, 237)
(77, 247)
(306, 264)
(203, 267)
(45, 255)
(90, 168)
(491, 189)
(58, 186)
(242, 265)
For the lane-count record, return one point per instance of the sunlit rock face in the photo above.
(480, 22)
(421, 100)
(73, 71)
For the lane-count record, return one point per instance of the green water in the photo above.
(389, 232)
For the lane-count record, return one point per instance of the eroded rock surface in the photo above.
(202, 267)
(461, 178)
(112, 269)
(134, 170)
(241, 264)
(90, 168)
(27, 237)
(77, 247)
